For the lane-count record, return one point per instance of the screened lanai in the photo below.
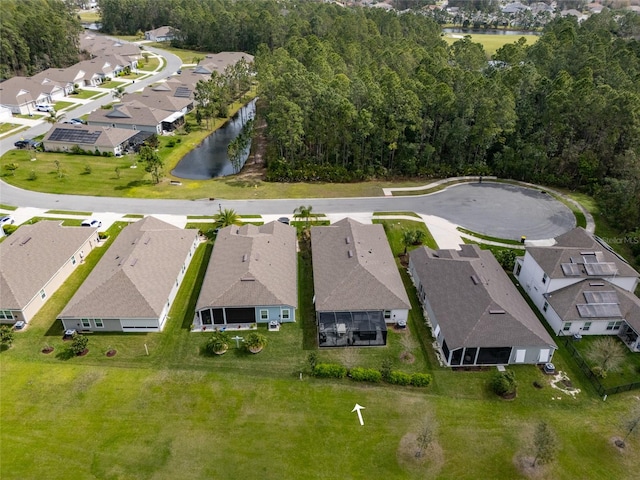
(351, 329)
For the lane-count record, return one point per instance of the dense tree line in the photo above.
(35, 35)
(349, 94)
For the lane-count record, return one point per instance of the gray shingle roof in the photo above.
(135, 276)
(251, 266)
(474, 302)
(565, 300)
(130, 113)
(571, 247)
(366, 279)
(32, 255)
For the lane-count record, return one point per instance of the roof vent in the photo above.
(475, 279)
(247, 279)
(25, 241)
(244, 257)
(496, 311)
(596, 284)
(348, 240)
(133, 262)
(350, 253)
(257, 256)
(146, 242)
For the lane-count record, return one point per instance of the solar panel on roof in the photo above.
(571, 269)
(601, 297)
(72, 135)
(599, 310)
(182, 92)
(600, 268)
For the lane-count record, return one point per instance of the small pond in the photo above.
(209, 159)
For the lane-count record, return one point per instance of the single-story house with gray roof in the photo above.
(36, 260)
(251, 278)
(477, 315)
(134, 284)
(160, 34)
(65, 137)
(358, 289)
(135, 115)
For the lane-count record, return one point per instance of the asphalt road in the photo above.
(500, 210)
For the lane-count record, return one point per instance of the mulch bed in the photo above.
(111, 353)
(47, 350)
(83, 353)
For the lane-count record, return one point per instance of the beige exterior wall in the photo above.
(57, 280)
(50, 146)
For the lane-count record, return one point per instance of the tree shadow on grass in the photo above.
(133, 184)
(65, 354)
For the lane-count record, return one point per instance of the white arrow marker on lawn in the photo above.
(357, 408)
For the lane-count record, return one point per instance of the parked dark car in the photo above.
(27, 144)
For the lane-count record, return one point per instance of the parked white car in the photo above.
(91, 222)
(44, 107)
(6, 220)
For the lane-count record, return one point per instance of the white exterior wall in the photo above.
(531, 280)
(398, 316)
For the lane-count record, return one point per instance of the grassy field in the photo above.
(488, 237)
(85, 94)
(177, 413)
(187, 56)
(491, 43)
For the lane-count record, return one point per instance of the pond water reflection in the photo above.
(210, 159)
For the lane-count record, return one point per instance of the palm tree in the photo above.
(55, 117)
(304, 212)
(117, 93)
(226, 217)
(408, 237)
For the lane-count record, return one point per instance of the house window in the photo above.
(586, 327)
(98, 322)
(264, 314)
(6, 315)
(73, 259)
(544, 278)
(285, 314)
(86, 323)
(183, 268)
(546, 305)
(43, 295)
(566, 327)
(518, 269)
(387, 314)
(614, 325)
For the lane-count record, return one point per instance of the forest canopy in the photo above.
(35, 35)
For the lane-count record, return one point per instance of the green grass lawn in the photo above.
(177, 413)
(5, 127)
(490, 42)
(112, 84)
(487, 237)
(629, 371)
(66, 212)
(60, 105)
(85, 94)
(89, 16)
(150, 64)
(187, 56)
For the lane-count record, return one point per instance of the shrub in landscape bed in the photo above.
(399, 378)
(360, 374)
(329, 370)
(79, 344)
(421, 379)
(255, 342)
(218, 343)
(9, 229)
(504, 383)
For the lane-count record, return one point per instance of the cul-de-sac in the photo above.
(317, 239)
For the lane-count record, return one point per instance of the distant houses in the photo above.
(160, 34)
